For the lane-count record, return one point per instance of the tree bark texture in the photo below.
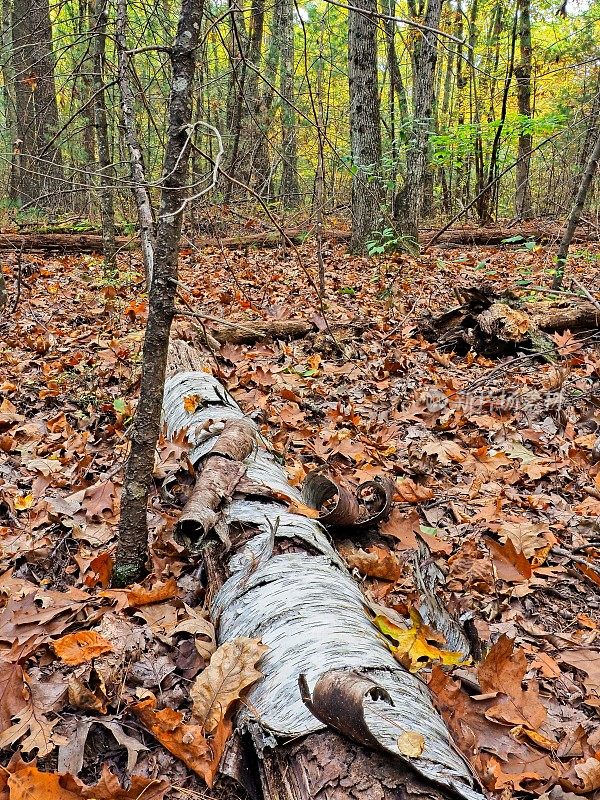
(290, 187)
(132, 549)
(365, 128)
(38, 170)
(274, 575)
(138, 171)
(424, 62)
(105, 191)
(523, 206)
(575, 215)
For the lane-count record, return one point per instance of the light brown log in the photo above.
(250, 332)
(58, 242)
(559, 317)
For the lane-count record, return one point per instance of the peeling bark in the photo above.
(283, 582)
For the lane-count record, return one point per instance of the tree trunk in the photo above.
(136, 156)
(39, 173)
(8, 97)
(365, 127)
(486, 202)
(523, 207)
(290, 187)
(131, 556)
(575, 216)
(424, 61)
(105, 188)
(238, 47)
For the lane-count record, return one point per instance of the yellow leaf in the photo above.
(191, 402)
(418, 646)
(411, 744)
(23, 502)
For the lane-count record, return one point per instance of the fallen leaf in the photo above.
(138, 596)
(77, 648)
(230, 671)
(376, 561)
(502, 671)
(510, 565)
(31, 726)
(185, 741)
(418, 646)
(407, 491)
(411, 744)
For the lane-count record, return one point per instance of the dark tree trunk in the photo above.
(365, 128)
(575, 216)
(523, 207)
(38, 172)
(290, 187)
(105, 188)
(408, 209)
(485, 203)
(238, 47)
(133, 527)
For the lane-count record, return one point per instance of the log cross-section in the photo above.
(286, 585)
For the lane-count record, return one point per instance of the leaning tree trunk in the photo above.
(575, 216)
(274, 575)
(365, 128)
(130, 564)
(523, 207)
(424, 61)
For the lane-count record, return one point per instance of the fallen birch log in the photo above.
(329, 718)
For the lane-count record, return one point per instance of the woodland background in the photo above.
(272, 184)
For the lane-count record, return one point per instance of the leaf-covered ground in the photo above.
(493, 466)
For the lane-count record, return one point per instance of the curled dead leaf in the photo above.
(140, 596)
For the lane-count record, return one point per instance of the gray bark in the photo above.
(290, 187)
(575, 216)
(138, 172)
(523, 207)
(424, 62)
(38, 171)
(107, 211)
(365, 129)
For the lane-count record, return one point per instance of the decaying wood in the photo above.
(250, 332)
(492, 324)
(283, 582)
(217, 479)
(58, 242)
(556, 317)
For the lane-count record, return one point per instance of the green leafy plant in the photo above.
(388, 240)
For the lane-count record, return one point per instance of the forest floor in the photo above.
(492, 463)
